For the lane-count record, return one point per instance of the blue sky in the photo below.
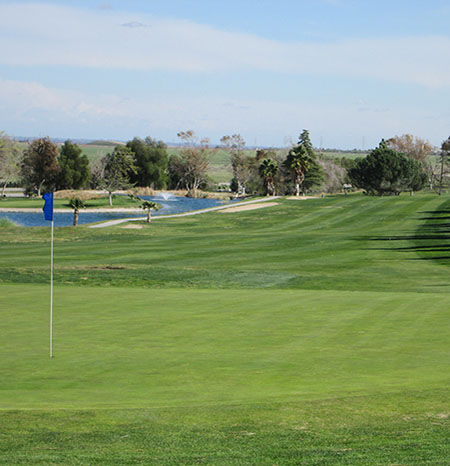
(352, 72)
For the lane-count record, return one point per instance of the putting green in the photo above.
(152, 348)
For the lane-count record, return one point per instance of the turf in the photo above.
(314, 332)
(102, 202)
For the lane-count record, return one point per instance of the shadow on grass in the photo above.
(432, 236)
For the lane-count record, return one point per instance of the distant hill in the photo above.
(90, 142)
(99, 142)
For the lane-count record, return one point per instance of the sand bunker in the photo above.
(132, 226)
(301, 198)
(241, 208)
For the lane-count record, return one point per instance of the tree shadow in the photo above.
(432, 236)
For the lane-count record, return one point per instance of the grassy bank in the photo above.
(96, 203)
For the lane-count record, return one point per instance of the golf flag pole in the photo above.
(48, 214)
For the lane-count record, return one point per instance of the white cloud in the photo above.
(48, 34)
(29, 108)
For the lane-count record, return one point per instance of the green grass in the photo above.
(118, 201)
(344, 154)
(193, 347)
(96, 151)
(314, 333)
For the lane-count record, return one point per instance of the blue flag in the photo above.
(48, 206)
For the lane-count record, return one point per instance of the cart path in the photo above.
(110, 223)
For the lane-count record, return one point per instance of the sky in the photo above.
(350, 71)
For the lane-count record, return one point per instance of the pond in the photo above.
(170, 205)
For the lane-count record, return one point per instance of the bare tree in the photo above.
(240, 163)
(190, 168)
(412, 146)
(417, 149)
(335, 176)
(118, 166)
(10, 159)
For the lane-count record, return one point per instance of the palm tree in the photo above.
(268, 169)
(76, 204)
(148, 206)
(297, 162)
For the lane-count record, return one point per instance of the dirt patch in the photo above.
(107, 267)
(301, 198)
(80, 194)
(242, 208)
(182, 193)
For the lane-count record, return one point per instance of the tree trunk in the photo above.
(272, 187)
(149, 215)
(4, 188)
(75, 217)
(110, 198)
(297, 188)
(39, 188)
(441, 176)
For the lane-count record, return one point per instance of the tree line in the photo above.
(402, 163)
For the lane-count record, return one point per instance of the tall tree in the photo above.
(40, 166)
(189, 169)
(297, 161)
(385, 171)
(10, 160)
(444, 165)
(74, 167)
(302, 164)
(118, 166)
(240, 163)
(268, 170)
(151, 161)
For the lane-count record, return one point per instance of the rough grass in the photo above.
(314, 334)
(6, 223)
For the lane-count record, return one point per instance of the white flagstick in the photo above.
(51, 296)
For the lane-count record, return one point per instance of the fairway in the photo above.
(310, 332)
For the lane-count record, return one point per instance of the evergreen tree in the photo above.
(151, 162)
(385, 171)
(40, 167)
(74, 167)
(444, 165)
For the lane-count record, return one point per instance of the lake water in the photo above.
(170, 205)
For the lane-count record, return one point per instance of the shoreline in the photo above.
(96, 210)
